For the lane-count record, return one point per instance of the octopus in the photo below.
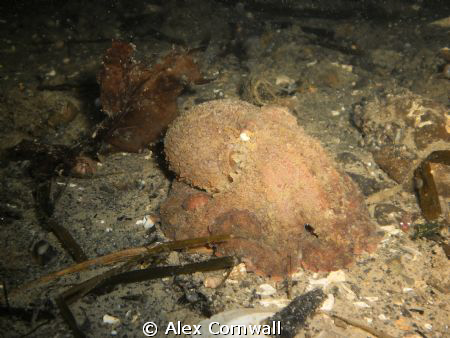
(255, 174)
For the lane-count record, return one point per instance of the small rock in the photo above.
(328, 303)
(275, 302)
(336, 276)
(403, 324)
(283, 80)
(382, 317)
(372, 299)
(391, 230)
(361, 304)
(108, 319)
(387, 214)
(244, 137)
(239, 272)
(322, 282)
(333, 277)
(349, 294)
(335, 113)
(297, 276)
(51, 73)
(212, 282)
(265, 290)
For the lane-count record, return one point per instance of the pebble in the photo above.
(361, 304)
(349, 294)
(382, 317)
(265, 290)
(244, 137)
(108, 319)
(239, 272)
(403, 324)
(428, 326)
(336, 276)
(275, 302)
(333, 277)
(335, 113)
(371, 299)
(283, 80)
(51, 73)
(212, 282)
(297, 276)
(391, 230)
(328, 304)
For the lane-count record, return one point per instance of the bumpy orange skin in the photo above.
(262, 179)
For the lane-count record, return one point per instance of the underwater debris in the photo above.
(293, 317)
(121, 274)
(432, 180)
(401, 129)
(409, 137)
(140, 101)
(46, 162)
(429, 230)
(262, 188)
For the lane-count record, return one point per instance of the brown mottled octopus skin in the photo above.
(254, 173)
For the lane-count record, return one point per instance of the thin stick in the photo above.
(120, 256)
(372, 331)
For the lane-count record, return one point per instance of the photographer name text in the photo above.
(215, 328)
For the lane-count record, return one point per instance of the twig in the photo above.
(120, 256)
(372, 331)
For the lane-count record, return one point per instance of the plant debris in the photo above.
(141, 102)
(428, 230)
(46, 162)
(117, 275)
(121, 256)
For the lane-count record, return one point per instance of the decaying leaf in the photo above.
(140, 101)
